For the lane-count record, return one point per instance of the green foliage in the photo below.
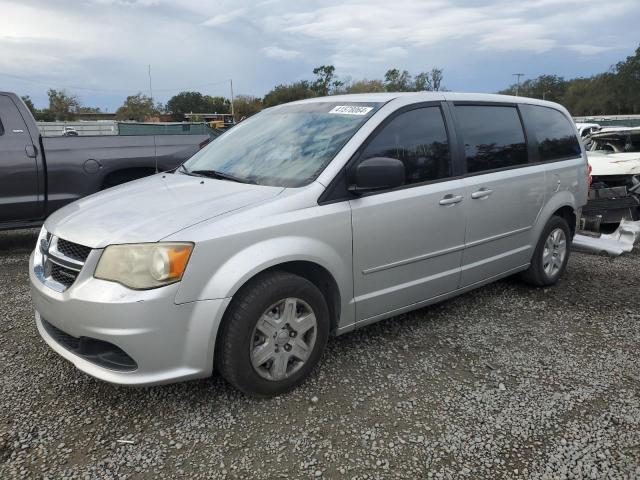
(89, 110)
(288, 93)
(29, 103)
(365, 86)
(44, 115)
(611, 93)
(325, 83)
(402, 81)
(429, 81)
(245, 105)
(196, 102)
(136, 107)
(63, 105)
(397, 81)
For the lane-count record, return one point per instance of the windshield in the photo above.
(285, 146)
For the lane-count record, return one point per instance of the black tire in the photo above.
(535, 275)
(232, 357)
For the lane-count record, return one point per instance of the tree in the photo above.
(186, 102)
(397, 81)
(429, 81)
(29, 103)
(288, 93)
(217, 104)
(44, 115)
(136, 107)
(62, 104)
(365, 86)
(325, 82)
(245, 106)
(89, 110)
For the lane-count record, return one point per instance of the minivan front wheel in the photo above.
(273, 334)
(551, 255)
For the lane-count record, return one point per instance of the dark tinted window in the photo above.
(419, 139)
(1, 128)
(556, 136)
(493, 137)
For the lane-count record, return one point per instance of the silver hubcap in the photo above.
(555, 249)
(283, 339)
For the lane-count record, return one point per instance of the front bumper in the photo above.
(169, 342)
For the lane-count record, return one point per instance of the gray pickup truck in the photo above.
(38, 175)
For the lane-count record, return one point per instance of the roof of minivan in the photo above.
(429, 96)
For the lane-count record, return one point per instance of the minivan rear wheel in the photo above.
(551, 255)
(273, 334)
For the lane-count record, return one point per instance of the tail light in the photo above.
(589, 177)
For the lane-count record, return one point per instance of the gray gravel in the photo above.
(504, 382)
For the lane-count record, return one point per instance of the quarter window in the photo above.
(493, 137)
(556, 136)
(418, 138)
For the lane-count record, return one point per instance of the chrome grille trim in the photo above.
(55, 268)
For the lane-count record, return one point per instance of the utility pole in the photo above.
(150, 88)
(518, 75)
(233, 116)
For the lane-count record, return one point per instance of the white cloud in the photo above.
(107, 44)
(274, 51)
(588, 49)
(223, 18)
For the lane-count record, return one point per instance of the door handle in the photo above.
(482, 193)
(31, 151)
(450, 199)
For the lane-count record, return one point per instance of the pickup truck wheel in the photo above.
(273, 334)
(551, 255)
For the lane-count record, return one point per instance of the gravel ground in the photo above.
(504, 382)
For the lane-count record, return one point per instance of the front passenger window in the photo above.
(418, 138)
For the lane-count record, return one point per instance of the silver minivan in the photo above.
(307, 220)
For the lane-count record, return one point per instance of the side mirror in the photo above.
(378, 173)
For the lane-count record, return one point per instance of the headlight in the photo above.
(145, 265)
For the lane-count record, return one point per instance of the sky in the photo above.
(101, 49)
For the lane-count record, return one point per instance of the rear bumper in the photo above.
(168, 342)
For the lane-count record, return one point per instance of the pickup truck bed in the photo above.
(39, 174)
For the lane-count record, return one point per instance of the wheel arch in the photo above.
(562, 204)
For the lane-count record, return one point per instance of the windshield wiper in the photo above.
(218, 175)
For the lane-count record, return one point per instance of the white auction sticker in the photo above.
(351, 110)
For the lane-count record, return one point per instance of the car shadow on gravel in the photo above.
(14, 242)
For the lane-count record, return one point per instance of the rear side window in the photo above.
(418, 138)
(556, 136)
(493, 137)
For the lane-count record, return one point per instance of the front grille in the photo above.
(62, 275)
(73, 250)
(96, 351)
(60, 262)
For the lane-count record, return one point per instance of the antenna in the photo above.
(518, 75)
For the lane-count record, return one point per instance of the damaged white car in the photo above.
(614, 157)
(610, 222)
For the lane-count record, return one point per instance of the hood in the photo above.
(603, 164)
(151, 209)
